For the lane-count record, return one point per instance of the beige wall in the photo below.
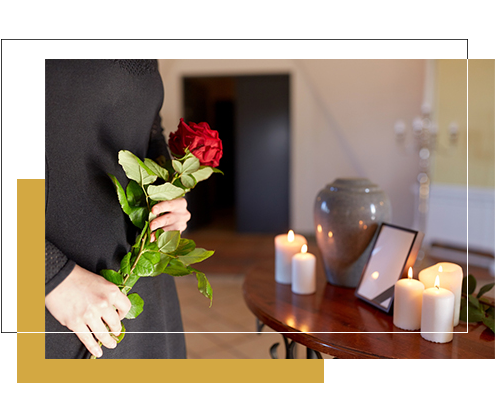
(450, 162)
(342, 118)
(451, 100)
(482, 123)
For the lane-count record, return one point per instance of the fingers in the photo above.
(88, 340)
(174, 215)
(98, 329)
(123, 305)
(111, 313)
(170, 206)
(171, 222)
(112, 319)
(95, 328)
(101, 333)
(93, 322)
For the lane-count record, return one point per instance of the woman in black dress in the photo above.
(94, 108)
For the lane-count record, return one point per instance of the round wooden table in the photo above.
(335, 322)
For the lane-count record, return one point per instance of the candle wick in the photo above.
(437, 282)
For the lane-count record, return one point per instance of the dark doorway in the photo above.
(251, 114)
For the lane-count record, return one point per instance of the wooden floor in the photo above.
(210, 332)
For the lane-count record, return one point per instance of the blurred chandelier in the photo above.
(423, 142)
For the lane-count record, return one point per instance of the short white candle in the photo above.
(304, 272)
(437, 314)
(285, 247)
(450, 278)
(408, 298)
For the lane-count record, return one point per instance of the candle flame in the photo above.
(330, 234)
(437, 282)
(319, 228)
(410, 273)
(440, 269)
(304, 248)
(290, 236)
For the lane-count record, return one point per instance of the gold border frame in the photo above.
(32, 367)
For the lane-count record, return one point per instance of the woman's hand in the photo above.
(174, 215)
(84, 302)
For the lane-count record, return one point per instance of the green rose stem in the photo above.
(125, 289)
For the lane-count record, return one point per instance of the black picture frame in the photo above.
(394, 250)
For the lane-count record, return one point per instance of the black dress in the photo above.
(94, 108)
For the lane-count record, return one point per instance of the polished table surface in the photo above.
(333, 321)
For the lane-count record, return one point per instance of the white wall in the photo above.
(448, 218)
(342, 118)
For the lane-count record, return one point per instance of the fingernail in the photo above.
(98, 352)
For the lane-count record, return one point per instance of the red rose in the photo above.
(200, 139)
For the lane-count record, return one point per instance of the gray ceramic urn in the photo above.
(347, 214)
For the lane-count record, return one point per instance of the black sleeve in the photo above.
(157, 147)
(57, 266)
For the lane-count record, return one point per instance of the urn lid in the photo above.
(353, 185)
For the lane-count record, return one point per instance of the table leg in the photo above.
(290, 349)
(310, 353)
(290, 346)
(259, 325)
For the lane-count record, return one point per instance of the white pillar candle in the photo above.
(285, 247)
(408, 298)
(450, 278)
(437, 314)
(304, 272)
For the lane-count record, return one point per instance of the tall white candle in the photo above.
(285, 247)
(304, 272)
(450, 278)
(437, 314)
(408, 298)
